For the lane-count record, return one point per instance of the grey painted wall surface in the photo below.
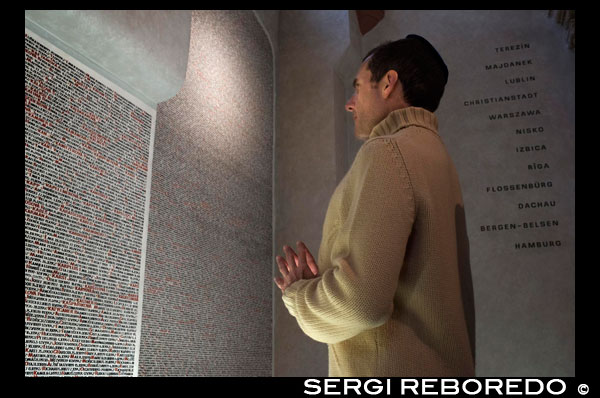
(310, 44)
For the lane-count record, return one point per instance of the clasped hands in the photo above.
(294, 267)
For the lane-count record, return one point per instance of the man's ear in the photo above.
(390, 83)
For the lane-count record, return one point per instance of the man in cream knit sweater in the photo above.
(390, 292)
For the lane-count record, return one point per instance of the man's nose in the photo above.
(350, 104)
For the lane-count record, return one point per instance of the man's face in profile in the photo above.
(366, 104)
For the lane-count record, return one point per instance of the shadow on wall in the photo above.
(464, 271)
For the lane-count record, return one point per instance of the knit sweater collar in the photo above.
(405, 117)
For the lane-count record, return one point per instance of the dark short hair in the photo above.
(420, 68)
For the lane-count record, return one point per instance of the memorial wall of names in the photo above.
(508, 120)
(517, 111)
(86, 170)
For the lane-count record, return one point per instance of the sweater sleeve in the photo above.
(356, 293)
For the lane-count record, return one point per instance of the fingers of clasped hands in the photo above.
(295, 267)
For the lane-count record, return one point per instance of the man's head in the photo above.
(395, 75)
